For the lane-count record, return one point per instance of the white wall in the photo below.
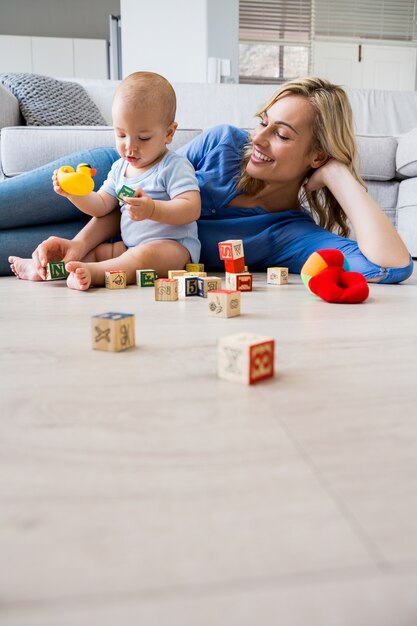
(176, 37)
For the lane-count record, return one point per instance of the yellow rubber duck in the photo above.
(77, 182)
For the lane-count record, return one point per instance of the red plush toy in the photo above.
(326, 274)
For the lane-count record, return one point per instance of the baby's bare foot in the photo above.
(79, 276)
(24, 268)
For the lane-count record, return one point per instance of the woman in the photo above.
(253, 188)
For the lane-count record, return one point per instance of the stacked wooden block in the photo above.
(231, 252)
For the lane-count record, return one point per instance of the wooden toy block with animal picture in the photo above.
(245, 358)
(115, 279)
(277, 276)
(113, 332)
(223, 303)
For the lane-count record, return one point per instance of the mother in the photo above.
(302, 153)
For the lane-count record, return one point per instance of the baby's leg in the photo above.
(160, 255)
(26, 269)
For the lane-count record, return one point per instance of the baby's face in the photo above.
(141, 134)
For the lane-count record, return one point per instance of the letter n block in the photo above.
(113, 332)
(231, 249)
(166, 289)
(56, 271)
(223, 303)
(146, 278)
(277, 275)
(245, 358)
(115, 279)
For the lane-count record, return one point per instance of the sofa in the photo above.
(385, 124)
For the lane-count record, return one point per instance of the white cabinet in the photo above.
(366, 66)
(60, 57)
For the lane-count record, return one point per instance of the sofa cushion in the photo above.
(45, 101)
(407, 154)
(24, 148)
(407, 214)
(377, 156)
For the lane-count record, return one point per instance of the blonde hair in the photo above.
(332, 133)
(150, 90)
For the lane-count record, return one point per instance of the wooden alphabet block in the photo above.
(126, 191)
(208, 283)
(239, 282)
(245, 358)
(176, 273)
(223, 303)
(187, 286)
(113, 332)
(56, 271)
(194, 267)
(166, 289)
(146, 278)
(115, 279)
(277, 275)
(195, 274)
(231, 249)
(235, 266)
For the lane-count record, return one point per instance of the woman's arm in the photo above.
(376, 236)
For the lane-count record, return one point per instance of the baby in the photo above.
(158, 224)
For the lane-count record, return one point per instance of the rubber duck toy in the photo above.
(77, 182)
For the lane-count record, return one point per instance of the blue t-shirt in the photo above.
(216, 155)
(168, 178)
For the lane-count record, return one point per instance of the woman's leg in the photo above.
(29, 199)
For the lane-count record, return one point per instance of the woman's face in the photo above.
(282, 142)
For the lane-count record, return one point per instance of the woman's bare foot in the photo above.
(24, 268)
(79, 275)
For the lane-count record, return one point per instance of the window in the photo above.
(393, 20)
(274, 40)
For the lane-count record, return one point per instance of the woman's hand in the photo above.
(56, 186)
(56, 249)
(322, 176)
(140, 207)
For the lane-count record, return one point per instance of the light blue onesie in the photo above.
(171, 176)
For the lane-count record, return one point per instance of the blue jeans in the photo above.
(30, 211)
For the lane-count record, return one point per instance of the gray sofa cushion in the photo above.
(407, 154)
(24, 148)
(45, 101)
(377, 156)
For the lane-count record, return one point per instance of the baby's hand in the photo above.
(56, 186)
(140, 206)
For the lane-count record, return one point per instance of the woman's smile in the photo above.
(260, 157)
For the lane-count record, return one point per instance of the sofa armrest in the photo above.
(9, 109)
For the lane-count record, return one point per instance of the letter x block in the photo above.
(166, 289)
(146, 278)
(239, 282)
(231, 249)
(277, 275)
(245, 358)
(113, 332)
(115, 279)
(56, 271)
(223, 303)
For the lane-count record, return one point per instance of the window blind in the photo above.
(367, 19)
(275, 21)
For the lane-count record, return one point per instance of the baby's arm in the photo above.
(183, 209)
(96, 203)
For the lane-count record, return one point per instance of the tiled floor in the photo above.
(138, 488)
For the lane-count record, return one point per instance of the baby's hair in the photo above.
(150, 90)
